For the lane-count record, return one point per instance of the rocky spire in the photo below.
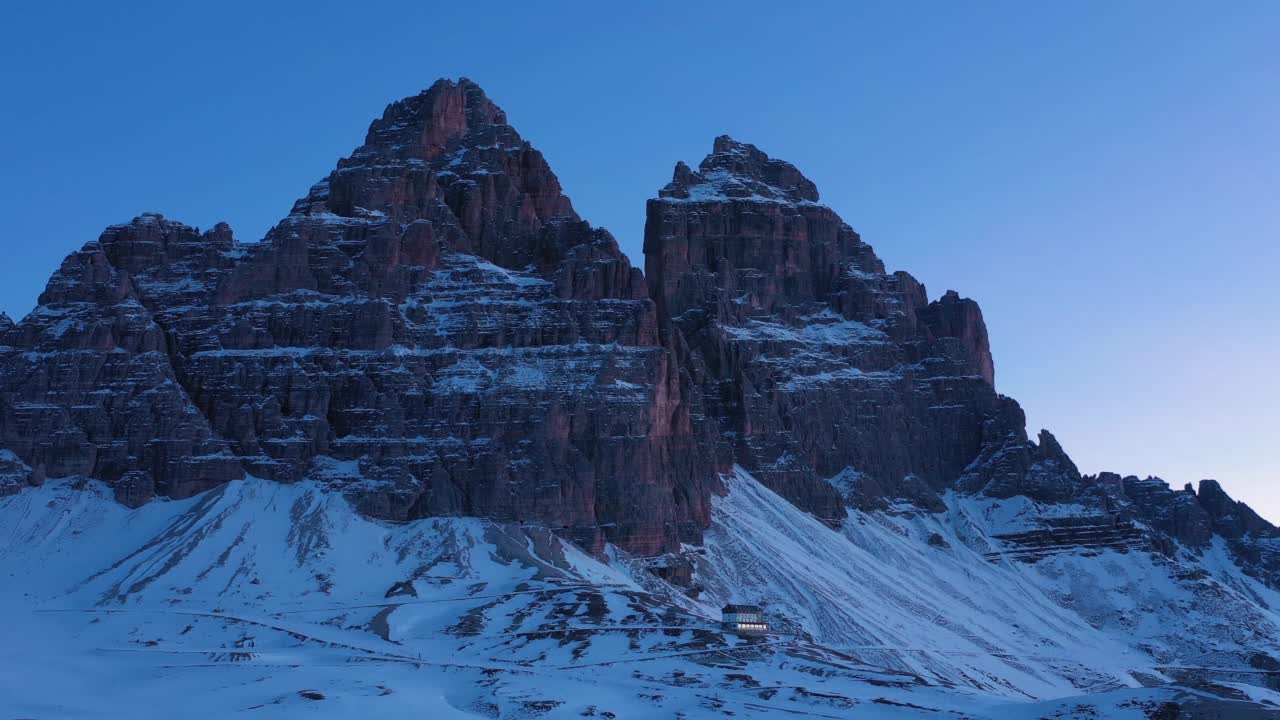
(797, 330)
(424, 125)
(448, 156)
(1231, 518)
(952, 316)
(739, 170)
(432, 330)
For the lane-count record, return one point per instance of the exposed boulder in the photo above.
(14, 474)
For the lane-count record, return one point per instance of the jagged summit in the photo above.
(1231, 518)
(737, 170)
(447, 156)
(432, 330)
(822, 369)
(423, 125)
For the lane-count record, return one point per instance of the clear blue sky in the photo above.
(1101, 176)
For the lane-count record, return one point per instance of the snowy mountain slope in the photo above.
(279, 600)
(931, 594)
(878, 589)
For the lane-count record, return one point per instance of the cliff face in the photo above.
(433, 330)
(828, 378)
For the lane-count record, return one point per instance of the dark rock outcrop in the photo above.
(1009, 465)
(1230, 518)
(1175, 513)
(1088, 533)
(1190, 519)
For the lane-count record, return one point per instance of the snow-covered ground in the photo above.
(259, 599)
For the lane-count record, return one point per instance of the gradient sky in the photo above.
(1102, 177)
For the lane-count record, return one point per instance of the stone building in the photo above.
(743, 619)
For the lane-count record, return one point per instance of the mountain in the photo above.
(434, 443)
(432, 329)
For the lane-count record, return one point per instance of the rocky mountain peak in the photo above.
(796, 331)
(447, 156)
(1231, 518)
(145, 244)
(738, 170)
(424, 125)
(432, 331)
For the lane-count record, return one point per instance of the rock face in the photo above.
(433, 330)
(1190, 520)
(88, 388)
(825, 375)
